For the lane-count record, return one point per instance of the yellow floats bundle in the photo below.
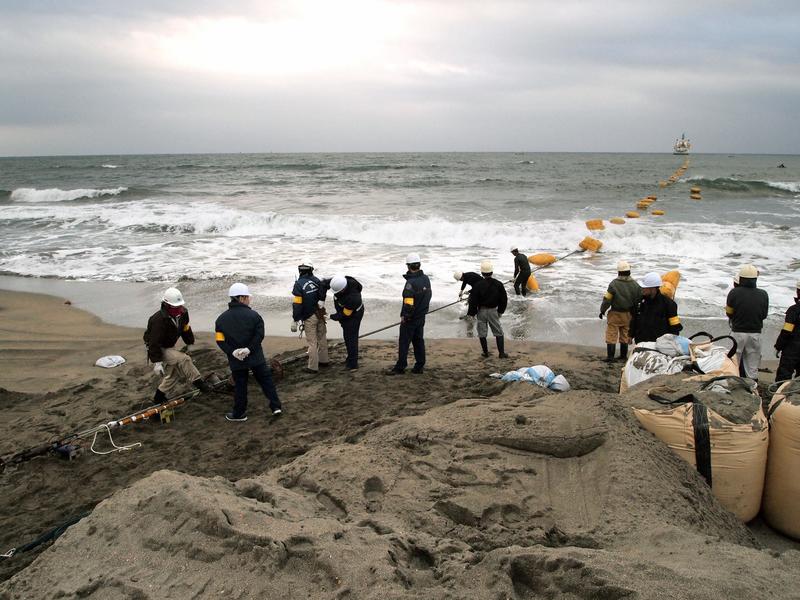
(591, 244)
(658, 213)
(595, 224)
(542, 259)
(669, 283)
(632, 214)
(694, 190)
(782, 485)
(695, 196)
(617, 221)
(532, 284)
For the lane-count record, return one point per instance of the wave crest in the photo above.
(730, 184)
(59, 195)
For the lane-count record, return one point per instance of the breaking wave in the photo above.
(58, 195)
(730, 184)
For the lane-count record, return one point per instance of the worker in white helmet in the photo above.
(239, 332)
(416, 300)
(747, 306)
(165, 327)
(620, 299)
(488, 301)
(655, 314)
(349, 310)
(308, 308)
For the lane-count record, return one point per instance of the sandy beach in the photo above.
(445, 485)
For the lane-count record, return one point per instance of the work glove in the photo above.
(461, 295)
(158, 368)
(241, 353)
(602, 315)
(293, 327)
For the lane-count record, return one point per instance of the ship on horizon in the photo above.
(681, 146)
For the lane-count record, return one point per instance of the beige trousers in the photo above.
(178, 369)
(316, 335)
(618, 325)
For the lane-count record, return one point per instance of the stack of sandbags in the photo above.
(717, 425)
(782, 486)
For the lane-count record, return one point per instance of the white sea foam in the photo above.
(58, 195)
(109, 166)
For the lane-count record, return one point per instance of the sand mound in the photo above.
(520, 496)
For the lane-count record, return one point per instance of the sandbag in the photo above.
(730, 453)
(645, 362)
(110, 361)
(782, 485)
(712, 357)
(543, 259)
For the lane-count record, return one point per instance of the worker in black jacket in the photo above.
(655, 314)
(239, 333)
(747, 306)
(308, 308)
(165, 327)
(488, 301)
(787, 346)
(469, 278)
(349, 312)
(522, 272)
(416, 300)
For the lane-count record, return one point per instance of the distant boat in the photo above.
(682, 146)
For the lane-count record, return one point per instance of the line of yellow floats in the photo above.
(670, 280)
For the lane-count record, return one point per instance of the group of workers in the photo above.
(635, 311)
(640, 312)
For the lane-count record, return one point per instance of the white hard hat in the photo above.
(623, 266)
(748, 272)
(651, 280)
(306, 264)
(513, 248)
(413, 258)
(487, 266)
(457, 275)
(238, 289)
(173, 297)
(338, 283)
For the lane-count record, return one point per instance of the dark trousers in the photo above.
(350, 328)
(789, 365)
(521, 283)
(264, 378)
(412, 332)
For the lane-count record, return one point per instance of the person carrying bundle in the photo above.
(164, 328)
(488, 302)
(620, 300)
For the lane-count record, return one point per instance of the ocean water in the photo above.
(204, 221)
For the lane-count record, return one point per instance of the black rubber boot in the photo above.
(159, 396)
(610, 352)
(484, 347)
(501, 346)
(623, 352)
(201, 385)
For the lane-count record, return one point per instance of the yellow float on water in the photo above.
(591, 244)
(642, 205)
(595, 224)
(658, 213)
(632, 214)
(533, 285)
(617, 221)
(695, 190)
(695, 196)
(542, 259)
(652, 197)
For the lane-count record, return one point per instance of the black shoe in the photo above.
(501, 350)
(230, 417)
(159, 397)
(324, 365)
(307, 370)
(350, 368)
(610, 348)
(416, 371)
(202, 385)
(623, 352)
(394, 371)
(484, 347)
(276, 413)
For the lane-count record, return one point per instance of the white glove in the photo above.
(241, 353)
(293, 328)
(461, 295)
(158, 368)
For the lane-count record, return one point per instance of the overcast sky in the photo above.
(103, 77)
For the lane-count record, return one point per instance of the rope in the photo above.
(110, 439)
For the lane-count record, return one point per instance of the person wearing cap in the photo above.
(239, 332)
(488, 301)
(655, 314)
(747, 306)
(165, 327)
(787, 346)
(416, 300)
(349, 312)
(621, 297)
(308, 308)
(522, 272)
(469, 278)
